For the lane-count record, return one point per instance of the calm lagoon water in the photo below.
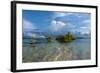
(39, 50)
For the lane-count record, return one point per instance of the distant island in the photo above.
(63, 38)
(68, 37)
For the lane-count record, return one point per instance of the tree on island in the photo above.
(66, 38)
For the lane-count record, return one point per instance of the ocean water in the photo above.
(40, 50)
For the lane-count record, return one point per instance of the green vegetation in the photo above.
(66, 38)
(49, 39)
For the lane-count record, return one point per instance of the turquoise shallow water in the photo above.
(40, 50)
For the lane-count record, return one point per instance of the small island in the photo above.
(68, 37)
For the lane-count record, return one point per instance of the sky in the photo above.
(56, 22)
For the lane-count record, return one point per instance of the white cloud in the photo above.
(70, 26)
(27, 26)
(87, 21)
(31, 34)
(57, 25)
(53, 22)
(85, 27)
(60, 23)
(83, 30)
(35, 35)
(59, 14)
(87, 24)
(62, 14)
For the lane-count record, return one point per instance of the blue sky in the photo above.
(56, 22)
